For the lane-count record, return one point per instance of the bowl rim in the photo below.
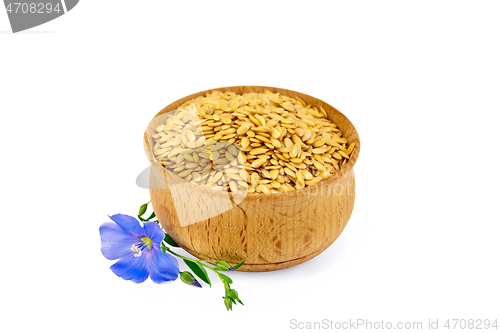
(333, 179)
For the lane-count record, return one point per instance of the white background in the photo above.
(419, 79)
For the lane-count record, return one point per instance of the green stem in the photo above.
(203, 263)
(213, 269)
(196, 260)
(178, 255)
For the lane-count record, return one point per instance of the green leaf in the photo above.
(170, 241)
(199, 271)
(226, 278)
(151, 217)
(238, 265)
(164, 248)
(143, 209)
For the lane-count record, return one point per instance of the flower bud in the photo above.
(234, 296)
(143, 209)
(188, 278)
(223, 266)
(228, 303)
(233, 293)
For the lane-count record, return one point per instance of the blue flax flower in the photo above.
(138, 248)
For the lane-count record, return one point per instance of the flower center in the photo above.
(145, 241)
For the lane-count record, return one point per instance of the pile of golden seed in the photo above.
(255, 142)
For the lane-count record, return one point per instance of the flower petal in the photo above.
(161, 266)
(115, 243)
(129, 224)
(154, 232)
(131, 268)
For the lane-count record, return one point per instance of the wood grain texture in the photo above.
(272, 231)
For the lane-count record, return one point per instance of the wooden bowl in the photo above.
(269, 231)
